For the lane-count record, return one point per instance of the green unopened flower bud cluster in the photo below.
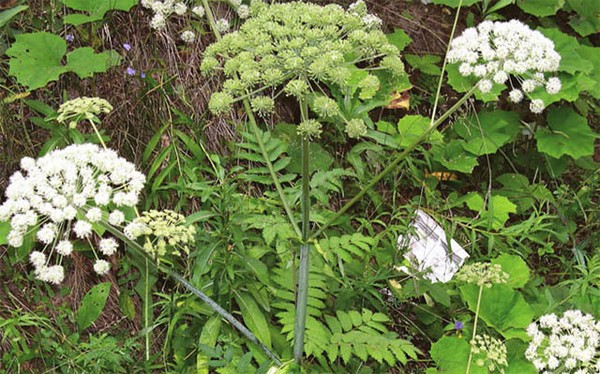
(482, 274)
(489, 352)
(296, 47)
(165, 230)
(82, 108)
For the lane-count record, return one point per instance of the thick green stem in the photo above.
(265, 155)
(474, 328)
(211, 19)
(138, 250)
(394, 163)
(304, 268)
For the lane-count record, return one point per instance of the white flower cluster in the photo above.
(163, 10)
(61, 195)
(496, 51)
(566, 345)
(188, 36)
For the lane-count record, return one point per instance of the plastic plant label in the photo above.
(429, 254)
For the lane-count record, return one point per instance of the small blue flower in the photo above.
(142, 75)
(130, 71)
(69, 37)
(127, 46)
(458, 325)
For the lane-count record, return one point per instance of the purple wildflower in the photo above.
(69, 37)
(130, 71)
(142, 75)
(458, 325)
(127, 46)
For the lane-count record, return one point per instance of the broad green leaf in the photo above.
(592, 55)
(515, 267)
(7, 15)
(496, 212)
(427, 63)
(453, 157)
(502, 307)
(85, 62)
(586, 22)
(517, 188)
(254, 318)
(127, 306)
(94, 10)
(208, 338)
(451, 355)
(540, 8)
(92, 305)
(411, 127)
(35, 58)
(485, 132)
(568, 47)
(399, 38)
(567, 134)
(517, 363)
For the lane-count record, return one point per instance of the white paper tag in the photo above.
(428, 251)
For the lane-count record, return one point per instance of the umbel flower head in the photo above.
(294, 48)
(482, 274)
(508, 53)
(82, 108)
(61, 195)
(489, 352)
(164, 230)
(570, 344)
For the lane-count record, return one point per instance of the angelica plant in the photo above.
(301, 51)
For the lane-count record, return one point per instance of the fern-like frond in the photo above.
(275, 150)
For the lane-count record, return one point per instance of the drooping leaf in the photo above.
(7, 15)
(92, 305)
(568, 133)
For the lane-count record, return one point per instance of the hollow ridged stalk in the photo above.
(138, 250)
(304, 268)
